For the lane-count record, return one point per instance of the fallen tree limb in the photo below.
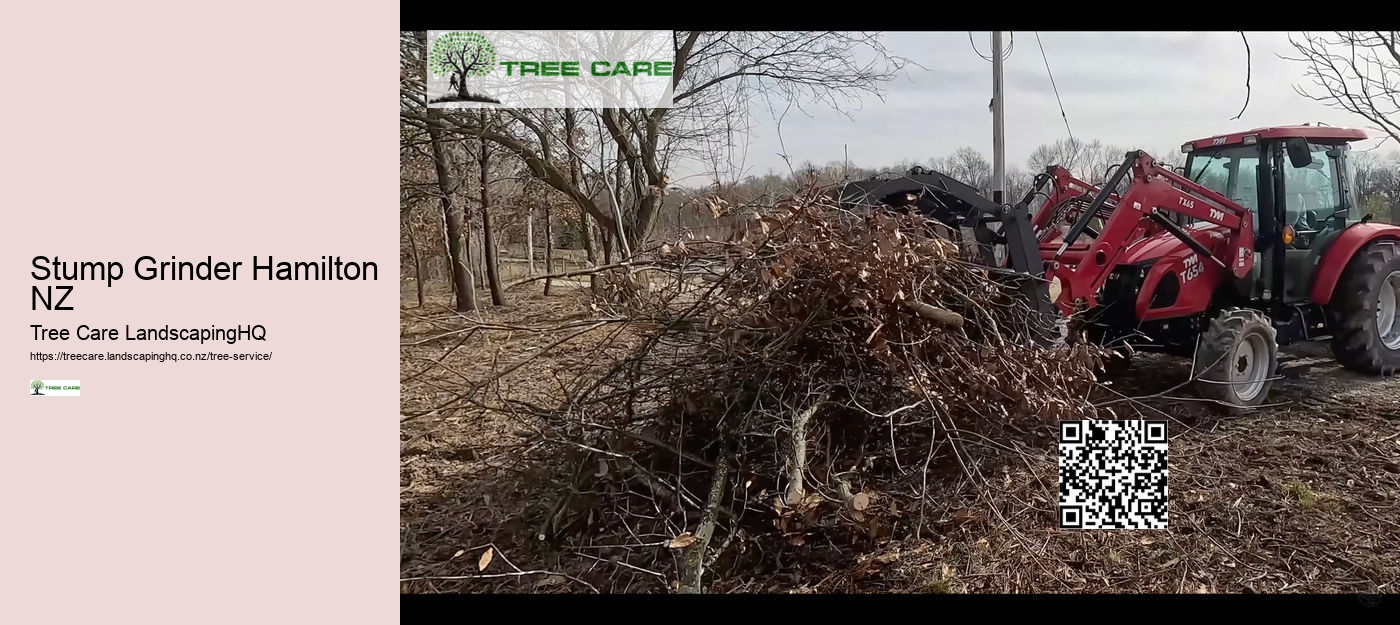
(695, 558)
(576, 272)
(797, 453)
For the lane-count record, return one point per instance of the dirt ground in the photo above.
(1302, 496)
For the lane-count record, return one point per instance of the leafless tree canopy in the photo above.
(716, 75)
(1355, 71)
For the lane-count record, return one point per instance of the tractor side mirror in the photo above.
(1299, 154)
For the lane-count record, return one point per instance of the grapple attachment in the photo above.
(1000, 236)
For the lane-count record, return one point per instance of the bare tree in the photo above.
(1067, 153)
(1354, 71)
(548, 243)
(969, 167)
(1377, 185)
(422, 127)
(1091, 160)
(406, 224)
(530, 241)
(414, 191)
(716, 74)
(1101, 160)
(1018, 184)
(575, 165)
(488, 235)
(453, 217)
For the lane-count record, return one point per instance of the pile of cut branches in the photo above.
(802, 388)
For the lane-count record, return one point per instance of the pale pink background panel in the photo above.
(210, 492)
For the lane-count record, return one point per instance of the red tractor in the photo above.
(1253, 244)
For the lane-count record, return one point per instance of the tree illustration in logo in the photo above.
(36, 385)
(460, 55)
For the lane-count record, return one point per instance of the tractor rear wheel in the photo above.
(1365, 310)
(1237, 357)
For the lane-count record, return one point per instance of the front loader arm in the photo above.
(1154, 194)
(1065, 199)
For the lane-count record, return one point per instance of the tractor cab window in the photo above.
(1232, 171)
(1310, 193)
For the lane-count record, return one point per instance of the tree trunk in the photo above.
(462, 86)
(548, 245)
(585, 230)
(645, 173)
(452, 214)
(479, 259)
(619, 167)
(607, 238)
(447, 255)
(589, 251)
(640, 226)
(530, 243)
(469, 241)
(617, 205)
(417, 258)
(488, 238)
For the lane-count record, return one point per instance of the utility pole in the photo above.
(998, 123)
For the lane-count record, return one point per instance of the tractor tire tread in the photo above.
(1355, 343)
(1225, 331)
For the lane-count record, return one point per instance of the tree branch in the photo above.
(1359, 80)
(1248, 70)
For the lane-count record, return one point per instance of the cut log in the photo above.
(942, 316)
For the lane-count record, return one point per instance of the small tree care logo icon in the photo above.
(461, 55)
(54, 388)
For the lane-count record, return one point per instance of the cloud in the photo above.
(1136, 90)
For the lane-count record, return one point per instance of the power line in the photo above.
(1052, 86)
(1005, 55)
(974, 48)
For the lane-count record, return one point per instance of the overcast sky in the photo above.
(1153, 90)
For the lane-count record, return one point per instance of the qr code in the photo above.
(1113, 474)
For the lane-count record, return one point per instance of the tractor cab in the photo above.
(1296, 182)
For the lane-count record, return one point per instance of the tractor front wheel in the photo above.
(1237, 357)
(1365, 310)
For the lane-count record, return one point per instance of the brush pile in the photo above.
(803, 383)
